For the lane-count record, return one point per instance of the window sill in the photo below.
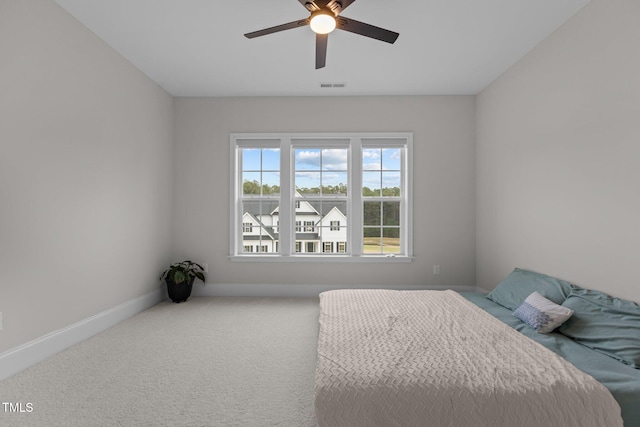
(322, 258)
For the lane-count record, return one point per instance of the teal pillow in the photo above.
(518, 285)
(606, 324)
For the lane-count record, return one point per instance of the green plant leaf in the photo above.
(179, 276)
(184, 271)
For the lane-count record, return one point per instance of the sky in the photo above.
(313, 167)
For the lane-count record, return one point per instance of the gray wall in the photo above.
(444, 153)
(558, 151)
(85, 174)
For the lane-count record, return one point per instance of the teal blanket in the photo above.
(622, 380)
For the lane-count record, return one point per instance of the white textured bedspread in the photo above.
(432, 358)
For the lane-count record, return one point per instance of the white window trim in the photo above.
(355, 239)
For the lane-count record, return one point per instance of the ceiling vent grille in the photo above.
(330, 85)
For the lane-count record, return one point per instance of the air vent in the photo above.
(330, 85)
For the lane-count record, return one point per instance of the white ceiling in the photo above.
(446, 47)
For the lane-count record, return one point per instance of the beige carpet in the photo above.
(207, 362)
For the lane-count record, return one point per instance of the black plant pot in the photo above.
(179, 292)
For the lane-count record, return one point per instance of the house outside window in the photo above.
(313, 195)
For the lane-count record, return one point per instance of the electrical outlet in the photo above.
(206, 267)
(436, 270)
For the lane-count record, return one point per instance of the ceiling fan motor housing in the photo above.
(334, 6)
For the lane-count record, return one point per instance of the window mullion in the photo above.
(236, 202)
(406, 207)
(355, 207)
(287, 204)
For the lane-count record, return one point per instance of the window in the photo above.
(381, 194)
(259, 197)
(321, 196)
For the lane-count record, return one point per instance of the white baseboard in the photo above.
(282, 290)
(19, 358)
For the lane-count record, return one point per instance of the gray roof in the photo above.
(264, 237)
(253, 207)
(307, 236)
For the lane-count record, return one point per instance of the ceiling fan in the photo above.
(325, 17)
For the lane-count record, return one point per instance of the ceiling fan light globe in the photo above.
(322, 23)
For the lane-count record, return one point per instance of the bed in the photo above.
(440, 358)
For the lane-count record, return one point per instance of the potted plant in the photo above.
(180, 277)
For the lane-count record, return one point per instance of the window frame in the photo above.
(287, 143)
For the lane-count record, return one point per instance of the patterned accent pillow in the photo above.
(541, 314)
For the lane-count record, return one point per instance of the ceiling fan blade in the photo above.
(366, 30)
(277, 28)
(321, 50)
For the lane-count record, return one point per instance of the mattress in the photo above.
(621, 380)
(409, 358)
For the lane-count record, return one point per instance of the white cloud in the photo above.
(331, 159)
(371, 159)
(370, 154)
(334, 159)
